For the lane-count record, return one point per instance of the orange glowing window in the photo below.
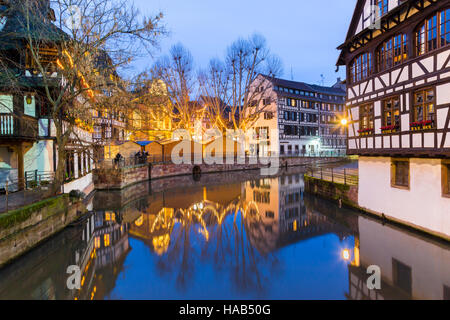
(97, 242)
(106, 240)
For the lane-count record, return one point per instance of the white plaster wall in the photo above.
(443, 94)
(421, 205)
(429, 261)
(84, 184)
(39, 157)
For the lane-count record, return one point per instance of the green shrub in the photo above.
(45, 183)
(32, 184)
(77, 194)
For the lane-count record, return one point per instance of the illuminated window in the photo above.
(97, 242)
(392, 52)
(433, 33)
(106, 240)
(400, 173)
(391, 112)
(46, 58)
(366, 117)
(361, 67)
(424, 106)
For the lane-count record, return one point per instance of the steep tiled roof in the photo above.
(16, 27)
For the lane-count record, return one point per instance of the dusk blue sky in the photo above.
(304, 34)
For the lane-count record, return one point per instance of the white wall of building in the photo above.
(428, 261)
(40, 157)
(84, 184)
(422, 205)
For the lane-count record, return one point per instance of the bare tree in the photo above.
(73, 50)
(224, 94)
(177, 72)
(234, 83)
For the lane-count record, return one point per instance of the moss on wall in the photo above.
(52, 206)
(331, 190)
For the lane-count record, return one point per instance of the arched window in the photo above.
(361, 67)
(392, 52)
(434, 33)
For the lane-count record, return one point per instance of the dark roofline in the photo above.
(306, 87)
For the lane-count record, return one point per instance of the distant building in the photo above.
(150, 120)
(306, 116)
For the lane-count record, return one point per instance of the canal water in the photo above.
(227, 236)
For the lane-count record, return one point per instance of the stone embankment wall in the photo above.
(23, 229)
(118, 179)
(347, 194)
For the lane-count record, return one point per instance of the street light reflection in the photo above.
(346, 254)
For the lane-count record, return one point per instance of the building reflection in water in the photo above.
(238, 230)
(412, 267)
(237, 227)
(103, 258)
(98, 245)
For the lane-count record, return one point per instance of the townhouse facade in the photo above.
(307, 117)
(397, 56)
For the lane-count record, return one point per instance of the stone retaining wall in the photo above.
(332, 190)
(118, 179)
(39, 225)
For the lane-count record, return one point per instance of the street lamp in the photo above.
(29, 99)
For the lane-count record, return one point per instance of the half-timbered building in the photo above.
(306, 117)
(397, 55)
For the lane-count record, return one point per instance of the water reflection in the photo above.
(413, 267)
(227, 237)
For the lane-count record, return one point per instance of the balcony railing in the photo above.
(335, 175)
(20, 127)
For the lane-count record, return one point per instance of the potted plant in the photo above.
(422, 125)
(365, 132)
(390, 129)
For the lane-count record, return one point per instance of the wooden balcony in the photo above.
(22, 127)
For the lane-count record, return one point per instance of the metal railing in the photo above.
(321, 154)
(14, 126)
(344, 176)
(19, 192)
